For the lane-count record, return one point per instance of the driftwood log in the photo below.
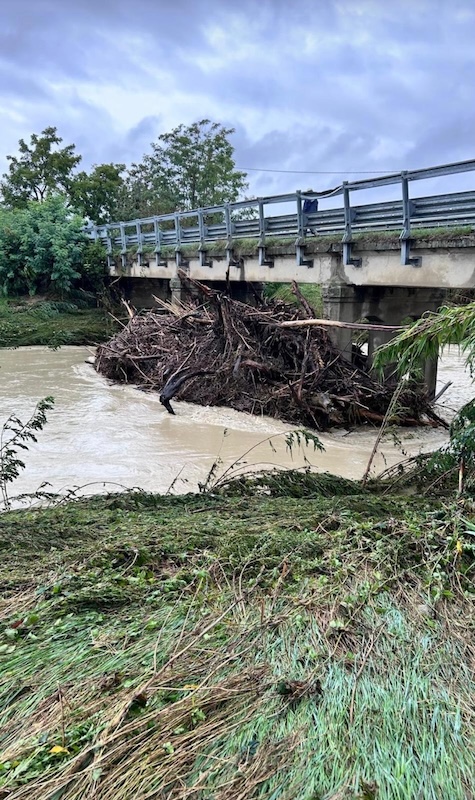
(276, 359)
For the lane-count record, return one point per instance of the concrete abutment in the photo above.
(387, 305)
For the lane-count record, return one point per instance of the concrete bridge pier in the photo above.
(176, 289)
(384, 305)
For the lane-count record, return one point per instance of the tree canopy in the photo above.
(97, 193)
(45, 200)
(192, 166)
(42, 168)
(43, 248)
(189, 167)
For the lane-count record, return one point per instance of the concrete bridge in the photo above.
(385, 262)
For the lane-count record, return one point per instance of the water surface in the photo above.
(102, 436)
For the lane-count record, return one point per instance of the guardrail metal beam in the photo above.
(202, 226)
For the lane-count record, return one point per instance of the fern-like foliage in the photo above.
(425, 338)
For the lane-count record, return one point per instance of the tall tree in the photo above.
(41, 169)
(97, 194)
(189, 167)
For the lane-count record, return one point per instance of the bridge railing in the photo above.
(250, 219)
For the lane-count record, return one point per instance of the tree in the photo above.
(97, 194)
(41, 169)
(136, 199)
(41, 248)
(190, 167)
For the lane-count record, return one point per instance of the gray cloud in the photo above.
(329, 85)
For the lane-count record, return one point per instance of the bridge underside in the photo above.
(380, 289)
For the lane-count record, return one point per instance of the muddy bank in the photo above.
(26, 321)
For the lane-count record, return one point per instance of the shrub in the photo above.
(43, 249)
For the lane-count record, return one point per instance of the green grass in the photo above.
(277, 244)
(222, 647)
(52, 323)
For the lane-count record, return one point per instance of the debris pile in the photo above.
(221, 352)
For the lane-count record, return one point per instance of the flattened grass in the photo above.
(218, 647)
(52, 324)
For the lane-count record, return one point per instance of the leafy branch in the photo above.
(424, 339)
(17, 436)
(298, 439)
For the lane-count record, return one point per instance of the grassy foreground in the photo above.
(24, 321)
(235, 647)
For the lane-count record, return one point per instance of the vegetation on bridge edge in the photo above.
(277, 245)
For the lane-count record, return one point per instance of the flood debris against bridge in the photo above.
(218, 351)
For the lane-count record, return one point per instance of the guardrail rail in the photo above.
(205, 226)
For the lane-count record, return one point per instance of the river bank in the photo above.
(304, 640)
(238, 647)
(54, 323)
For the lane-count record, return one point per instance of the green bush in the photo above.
(43, 248)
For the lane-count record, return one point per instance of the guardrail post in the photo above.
(179, 260)
(405, 237)
(301, 241)
(110, 260)
(92, 231)
(138, 229)
(158, 244)
(263, 260)
(347, 241)
(123, 245)
(230, 259)
(202, 249)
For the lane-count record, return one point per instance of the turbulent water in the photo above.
(103, 437)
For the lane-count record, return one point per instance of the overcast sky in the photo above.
(318, 85)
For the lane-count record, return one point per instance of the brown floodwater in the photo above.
(104, 437)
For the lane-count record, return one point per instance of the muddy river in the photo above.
(104, 437)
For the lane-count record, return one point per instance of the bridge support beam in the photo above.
(176, 289)
(380, 304)
(340, 303)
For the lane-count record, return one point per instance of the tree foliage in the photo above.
(41, 169)
(41, 248)
(97, 193)
(190, 167)
(425, 338)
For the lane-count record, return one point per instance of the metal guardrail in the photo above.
(205, 226)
